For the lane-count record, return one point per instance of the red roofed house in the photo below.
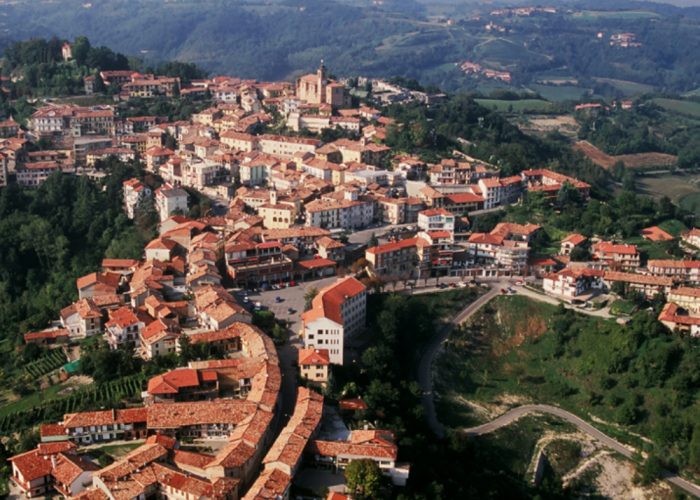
(183, 384)
(644, 283)
(47, 337)
(616, 256)
(337, 312)
(692, 237)
(82, 319)
(677, 319)
(398, 257)
(96, 284)
(655, 233)
(158, 338)
(123, 327)
(134, 193)
(572, 241)
(686, 297)
(313, 364)
(375, 445)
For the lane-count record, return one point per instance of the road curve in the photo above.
(425, 375)
(516, 413)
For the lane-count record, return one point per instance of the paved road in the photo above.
(425, 372)
(511, 416)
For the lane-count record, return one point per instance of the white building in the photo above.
(436, 219)
(134, 193)
(348, 213)
(170, 199)
(338, 312)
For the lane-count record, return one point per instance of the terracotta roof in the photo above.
(173, 381)
(673, 264)
(328, 302)
(108, 280)
(177, 415)
(686, 291)
(575, 239)
(314, 357)
(640, 279)
(31, 465)
(352, 404)
(655, 233)
(609, 247)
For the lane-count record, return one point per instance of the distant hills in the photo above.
(562, 55)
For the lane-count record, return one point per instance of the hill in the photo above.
(275, 39)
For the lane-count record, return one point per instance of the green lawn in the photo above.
(521, 106)
(119, 450)
(680, 106)
(622, 307)
(673, 227)
(32, 400)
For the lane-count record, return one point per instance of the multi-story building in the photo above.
(397, 258)
(338, 312)
(151, 87)
(35, 174)
(650, 286)
(170, 200)
(687, 271)
(82, 319)
(506, 246)
(574, 240)
(134, 193)
(348, 213)
(549, 182)
(436, 219)
(123, 327)
(569, 284)
(692, 237)
(615, 255)
(286, 147)
(686, 297)
(252, 264)
(497, 192)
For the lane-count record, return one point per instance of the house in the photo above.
(52, 467)
(615, 255)
(158, 338)
(161, 249)
(677, 319)
(48, 337)
(123, 327)
(337, 312)
(98, 284)
(313, 364)
(655, 233)
(82, 319)
(331, 249)
(550, 183)
(218, 309)
(573, 240)
(692, 237)
(183, 384)
(376, 445)
(105, 425)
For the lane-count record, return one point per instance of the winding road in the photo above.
(426, 383)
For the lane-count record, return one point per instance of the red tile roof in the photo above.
(313, 357)
(328, 303)
(655, 233)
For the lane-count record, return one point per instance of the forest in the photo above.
(54, 234)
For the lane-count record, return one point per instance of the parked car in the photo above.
(291, 310)
(278, 299)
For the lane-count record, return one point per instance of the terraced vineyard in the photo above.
(86, 398)
(46, 364)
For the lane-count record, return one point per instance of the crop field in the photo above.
(690, 108)
(638, 160)
(626, 86)
(559, 92)
(677, 187)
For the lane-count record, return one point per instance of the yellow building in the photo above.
(313, 364)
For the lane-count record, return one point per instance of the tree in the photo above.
(694, 449)
(363, 478)
(309, 297)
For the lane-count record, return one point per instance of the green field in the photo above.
(521, 106)
(594, 15)
(627, 87)
(690, 202)
(675, 186)
(683, 107)
(559, 92)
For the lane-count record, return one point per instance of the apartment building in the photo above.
(123, 327)
(436, 219)
(507, 246)
(550, 182)
(170, 200)
(615, 255)
(35, 174)
(337, 312)
(286, 147)
(687, 271)
(403, 257)
(569, 284)
(134, 193)
(648, 285)
(251, 264)
(347, 213)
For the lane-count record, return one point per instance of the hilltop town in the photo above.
(304, 214)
